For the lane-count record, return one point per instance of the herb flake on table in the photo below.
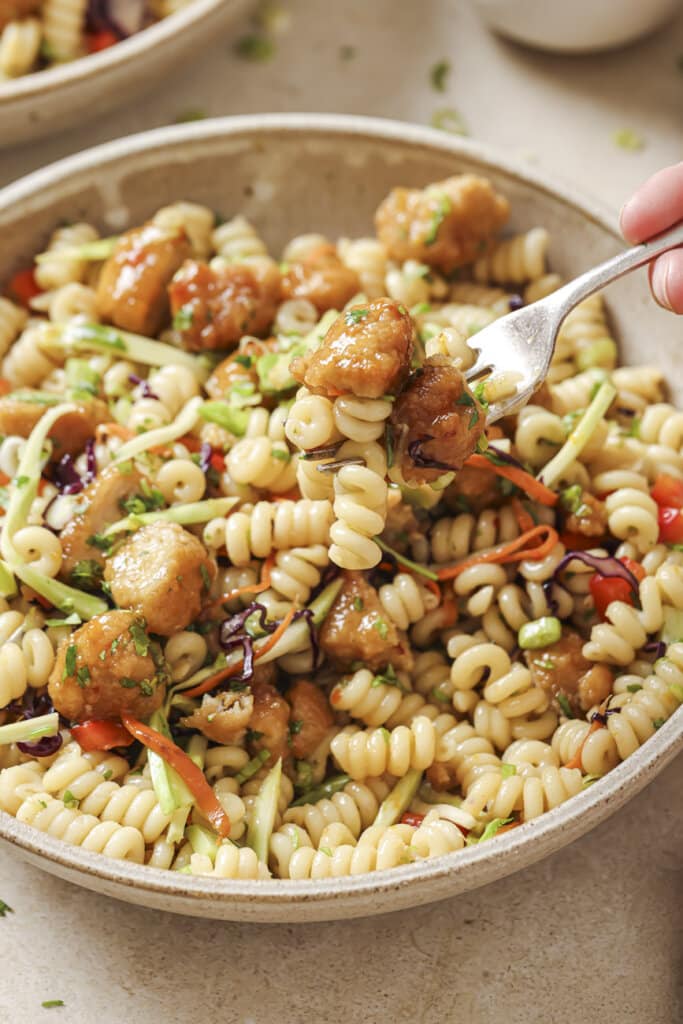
(5, 909)
(447, 119)
(628, 139)
(255, 47)
(50, 1004)
(679, 62)
(438, 75)
(187, 116)
(347, 52)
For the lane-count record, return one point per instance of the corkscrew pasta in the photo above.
(255, 520)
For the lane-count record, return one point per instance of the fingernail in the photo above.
(660, 283)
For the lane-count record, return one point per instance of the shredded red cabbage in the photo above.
(90, 461)
(423, 461)
(32, 707)
(124, 17)
(656, 647)
(515, 302)
(145, 389)
(307, 614)
(606, 565)
(233, 627)
(67, 478)
(247, 645)
(205, 453)
(44, 747)
(499, 457)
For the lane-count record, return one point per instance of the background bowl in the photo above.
(291, 174)
(50, 101)
(582, 26)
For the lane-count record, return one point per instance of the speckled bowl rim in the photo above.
(430, 879)
(82, 70)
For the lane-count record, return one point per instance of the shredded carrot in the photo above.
(105, 430)
(576, 761)
(449, 610)
(4, 479)
(524, 519)
(254, 588)
(513, 551)
(276, 634)
(525, 481)
(193, 444)
(5, 386)
(506, 828)
(386, 566)
(233, 670)
(192, 776)
(431, 585)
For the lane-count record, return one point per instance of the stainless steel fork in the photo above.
(522, 343)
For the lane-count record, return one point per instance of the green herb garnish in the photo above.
(627, 138)
(353, 316)
(183, 318)
(443, 208)
(438, 74)
(256, 48)
(447, 119)
(70, 661)
(139, 638)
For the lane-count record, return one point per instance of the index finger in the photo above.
(657, 205)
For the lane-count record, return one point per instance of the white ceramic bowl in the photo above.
(582, 26)
(50, 101)
(323, 173)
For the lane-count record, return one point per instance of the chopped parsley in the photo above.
(440, 695)
(139, 638)
(634, 687)
(443, 208)
(107, 775)
(50, 1004)
(20, 481)
(149, 501)
(382, 628)
(386, 678)
(438, 74)
(87, 573)
(507, 770)
(253, 735)
(70, 800)
(389, 444)
(358, 605)
(347, 52)
(127, 683)
(547, 664)
(183, 318)
(102, 543)
(658, 722)
(281, 454)
(83, 676)
(244, 361)
(478, 391)
(146, 687)
(206, 579)
(386, 735)
(70, 661)
(256, 48)
(326, 850)
(5, 909)
(295, 726)
(353, 316)
(561, 699)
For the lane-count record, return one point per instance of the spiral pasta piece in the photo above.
(19, 47)
(267, 527)
(515, 260)
(355, 806)
(368, 257)
(369, 754)
(44, 812)
(237, 241)
(195, 220)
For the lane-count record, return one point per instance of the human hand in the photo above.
(655, 206)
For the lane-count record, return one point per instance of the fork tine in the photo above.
(481, 365)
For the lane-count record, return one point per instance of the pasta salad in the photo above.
(276, 600)
(39, 34)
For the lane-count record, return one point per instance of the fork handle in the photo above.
(593, 280)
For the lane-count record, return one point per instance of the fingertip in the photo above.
(629, 222)
(666, 281)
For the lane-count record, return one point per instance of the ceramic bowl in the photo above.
(583, 26)
(291, 174)
(50, 101)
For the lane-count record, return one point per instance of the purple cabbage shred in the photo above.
(205, 453)
(423, 461)
(515, 302)
(67, 478)
(145, 389)
(606, 565)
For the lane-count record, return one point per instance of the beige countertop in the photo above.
(592, 935)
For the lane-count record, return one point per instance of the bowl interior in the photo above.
(292, 174)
